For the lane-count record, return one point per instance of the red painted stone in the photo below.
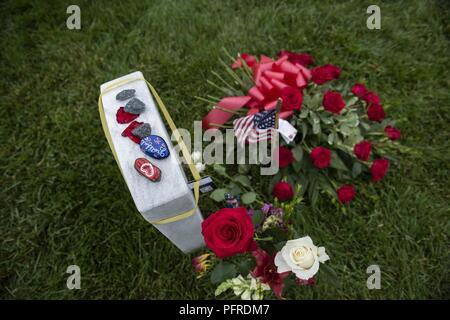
(125, 117)
(147, 169)
(128, 131)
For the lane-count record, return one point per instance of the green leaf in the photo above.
(242, 179)
(245, 265)
(356, 169)
(304, 114)
(351, 101)
(234, 188)
(304, 129)
(279, 245)
(298, 153)
(330, 138)
(248, 197)
(316, 128)
(316, 100)
(224, 286)
(220, 169)
(218, 195)
(314, 194)
(346, 130)
(222, 272)
(337, 163)
(257, 218)
(297, 166)
(314, 118)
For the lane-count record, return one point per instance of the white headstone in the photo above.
(154, 200)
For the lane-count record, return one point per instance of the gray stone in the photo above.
(125, 94)
(135, 106)
(144, 130)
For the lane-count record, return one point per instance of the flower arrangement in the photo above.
(255, 253)
(333, 133)
(344, 133)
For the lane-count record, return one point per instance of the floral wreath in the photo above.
(333, 134)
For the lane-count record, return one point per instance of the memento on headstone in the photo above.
(155, 147)
(144, 130)
(135, 106)
(147, 169)
(125, 117)
(125, 94)
(168, 203)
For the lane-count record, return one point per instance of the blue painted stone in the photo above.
(155, 147)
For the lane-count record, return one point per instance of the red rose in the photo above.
(346, 193)
(375, 112)
(371, 97)
(362, 150)
(321, 157)
(392, 133)
(283, 191)
(292, 99)
(333, 102)
(325, 73)
(229, 231)
(359, 90)
(285, 157)
(302, 58)
(379, 169)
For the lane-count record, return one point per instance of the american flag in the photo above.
(254, 128)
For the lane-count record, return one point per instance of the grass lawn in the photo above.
(63, 200)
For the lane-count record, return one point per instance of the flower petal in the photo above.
(322, 255)
(306, 274)
(281, 263)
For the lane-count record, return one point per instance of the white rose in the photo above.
(200, 166)
(301, 257)
(196, 156)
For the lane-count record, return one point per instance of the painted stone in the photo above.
(135, 106)
(155, 147)
(144, 130)
(147, 169)
(124, 117)
(125, 94)
(128, 132)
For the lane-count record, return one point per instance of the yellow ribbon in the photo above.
(173, 128)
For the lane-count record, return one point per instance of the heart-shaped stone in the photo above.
(124, 117)
(147, 169)
(155, 147)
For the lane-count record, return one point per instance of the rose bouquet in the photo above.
(340, 130)
(256, 253)
(332, 133)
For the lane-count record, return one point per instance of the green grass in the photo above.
(64, 202)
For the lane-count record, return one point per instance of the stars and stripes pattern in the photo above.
(255, 128)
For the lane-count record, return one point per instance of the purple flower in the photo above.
(266, 208)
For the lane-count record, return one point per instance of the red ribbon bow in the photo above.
(270, 78)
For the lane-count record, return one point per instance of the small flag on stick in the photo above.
(258, 127)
